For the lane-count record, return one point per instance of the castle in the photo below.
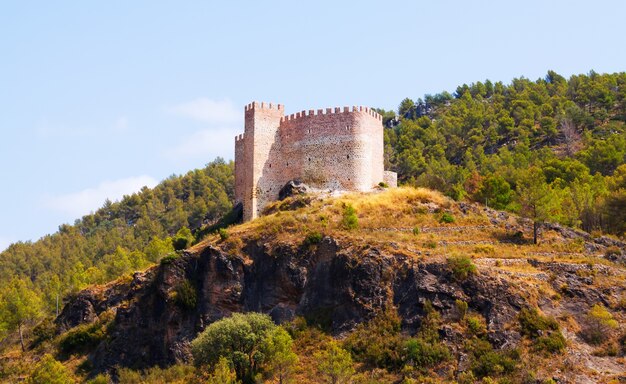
(336, 149)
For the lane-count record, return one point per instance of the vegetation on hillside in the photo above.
(118, 239)
(552, 149)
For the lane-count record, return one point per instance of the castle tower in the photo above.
(336, 149)
(253, 153)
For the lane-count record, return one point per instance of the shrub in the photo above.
(447, 218)
(50, 371)
(612, 252)
(382, 184)
(350, 220)
(185, 295)
(486, 361)
(378, 342)
(493, 363)
(223, 234)
(334, 364)
(599, 325)
(476, 325)
(313, 238)
(423, 354)
(554, 342)
(169, 258)
(416, 231)
(183, 239)
(533, 324)
(82, 338)
(461, 267)
(461, 308)
(44, 331)
(100, 379)
(243, 339)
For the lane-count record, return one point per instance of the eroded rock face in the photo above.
(335, 286)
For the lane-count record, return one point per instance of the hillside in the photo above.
(551, 150)
(338, 262)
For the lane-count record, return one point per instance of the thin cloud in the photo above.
(205, 144)
(208, 111)
(88, 200)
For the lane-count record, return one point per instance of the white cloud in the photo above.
(206, 144)
(82, 202)
(208, 111)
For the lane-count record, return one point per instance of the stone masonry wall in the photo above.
(334, 149)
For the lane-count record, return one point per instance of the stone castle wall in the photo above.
(335, 149)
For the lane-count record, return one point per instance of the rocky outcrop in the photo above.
(333, 286)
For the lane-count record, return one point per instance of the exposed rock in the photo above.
(293, 188)
(334, 286)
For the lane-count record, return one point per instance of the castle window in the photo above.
(309, 159)
(348, 156)
(347, 128)
(270, 165)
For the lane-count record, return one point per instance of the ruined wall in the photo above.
(335, 149)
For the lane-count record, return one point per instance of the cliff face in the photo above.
(335, 287)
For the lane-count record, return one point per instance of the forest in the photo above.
(553, 150)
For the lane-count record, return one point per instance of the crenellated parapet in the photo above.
(333, 111)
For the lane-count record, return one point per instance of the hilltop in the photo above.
(336, 262)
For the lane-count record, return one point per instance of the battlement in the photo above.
(263, 105)
(338, 148)
(332, 111)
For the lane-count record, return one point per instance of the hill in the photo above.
(460, 278)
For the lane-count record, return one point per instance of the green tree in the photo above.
(495, 192)
(19, 305)
(243, 339)
(334, 363)
(222, 373)
(183, 239)
(283, 358)
(405, 106)
(50, 371)
(536, 199)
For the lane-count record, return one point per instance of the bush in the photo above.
(612, 252)
(223, 234)
(461, 308)
(486, 361)
(476, 325)
(169, 258)
(185, 295)
(554, 342)
(382, 184)
(378, 342)
(533, 324)
(183, 239)
(243, 339)
(350, 220)
(493, 363)
(599, 325)
(461, 267)
(423, 354)
(82, 338)
(447, 218)
(50, 371)
(44, 331)
(416, 231)
(313, 238)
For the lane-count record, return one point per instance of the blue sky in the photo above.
(100, 98)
